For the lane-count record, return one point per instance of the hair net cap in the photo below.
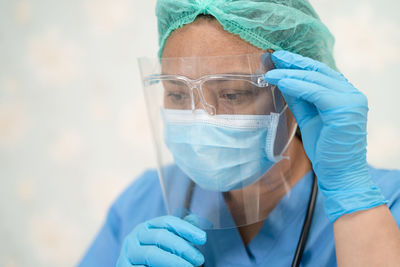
(290, 25)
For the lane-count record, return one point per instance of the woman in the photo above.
(356, 216)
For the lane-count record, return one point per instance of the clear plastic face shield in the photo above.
(221, 134)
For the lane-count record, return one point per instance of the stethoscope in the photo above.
(306, 224)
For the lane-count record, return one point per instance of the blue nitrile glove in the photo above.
(163, 242)
(332, 116)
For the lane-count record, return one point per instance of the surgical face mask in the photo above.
(221, 152)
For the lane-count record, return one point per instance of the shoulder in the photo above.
(379, 173)
(389, 183)
(140, 201)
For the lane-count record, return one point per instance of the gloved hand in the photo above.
(332, 116)
(163, 242)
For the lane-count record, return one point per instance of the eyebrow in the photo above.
(225, 73)
(176, 82)
(181, 82)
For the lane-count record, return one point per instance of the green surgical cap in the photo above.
(291, 25)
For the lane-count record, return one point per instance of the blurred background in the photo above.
(73, 126)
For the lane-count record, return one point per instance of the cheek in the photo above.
(263, 104)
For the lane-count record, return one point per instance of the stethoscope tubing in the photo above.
(306, 224)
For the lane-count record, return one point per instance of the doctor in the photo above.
(356, 215)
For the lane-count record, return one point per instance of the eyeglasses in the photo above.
(219, 93)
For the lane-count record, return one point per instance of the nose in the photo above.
(196, 98)
(204, 100)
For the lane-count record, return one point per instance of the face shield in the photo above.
(222, 136)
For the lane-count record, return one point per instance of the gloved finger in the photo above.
(198, 222)
(310, 92)
(123, 261)
(287, 60)
(274, 76)
(192, 219)
(301, 109)
(153, 256)
(180, 227)
(322, 97)
(170, 242)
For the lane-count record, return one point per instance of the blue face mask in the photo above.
(221, 152)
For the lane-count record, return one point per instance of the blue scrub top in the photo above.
(274, 245)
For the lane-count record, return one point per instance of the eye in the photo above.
(177, 96)
(235, 95)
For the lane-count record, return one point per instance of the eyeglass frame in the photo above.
(197, 84)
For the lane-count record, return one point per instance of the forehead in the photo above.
(204, 47)
(199, 66)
